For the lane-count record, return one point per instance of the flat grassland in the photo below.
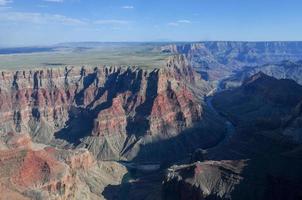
(142, 55)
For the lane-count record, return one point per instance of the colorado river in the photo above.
(230, 128)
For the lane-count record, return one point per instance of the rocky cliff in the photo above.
(59, 125)
(112, 111)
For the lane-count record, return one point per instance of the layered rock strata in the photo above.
(112, 111)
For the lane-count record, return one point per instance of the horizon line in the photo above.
(151, 41)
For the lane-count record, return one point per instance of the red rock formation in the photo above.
(86, 106)
(80, 159)
(31, 172)
(19, 141)
(37, 169)
(112, 120)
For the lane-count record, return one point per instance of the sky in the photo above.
(44, 22)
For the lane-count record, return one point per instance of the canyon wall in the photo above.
(115, 112)
(62, 128)
(217, 60)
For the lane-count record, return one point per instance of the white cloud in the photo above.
(39, 18)
(128, 7)
(179, 22)
(54, 1)
(112, 22)
(5, 2)
(184, 21)
(45, 19)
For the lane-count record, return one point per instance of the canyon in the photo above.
(49, 116)
(219, 120)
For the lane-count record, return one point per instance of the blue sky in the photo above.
(40, 22)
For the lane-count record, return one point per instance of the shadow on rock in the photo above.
(136, 185)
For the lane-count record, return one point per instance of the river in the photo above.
(230, 127)
(230, 130)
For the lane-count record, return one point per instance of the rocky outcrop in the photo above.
(37, 171)
(207, 180)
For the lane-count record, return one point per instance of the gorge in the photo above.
(198, 127)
